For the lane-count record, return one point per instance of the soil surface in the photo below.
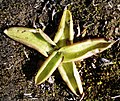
(19, 64)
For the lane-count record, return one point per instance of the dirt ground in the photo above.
(19, 64)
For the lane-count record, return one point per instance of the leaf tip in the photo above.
(45, 54)
(6, 31)
(36, 81)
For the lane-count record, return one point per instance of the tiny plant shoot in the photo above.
(61, 52)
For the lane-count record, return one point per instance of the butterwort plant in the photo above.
(61, 52)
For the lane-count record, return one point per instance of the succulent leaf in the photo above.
(30, 37)
(68, 71)
(46, 38)
(65, 30)
(85, 49)
(48, 67)
(71, 76)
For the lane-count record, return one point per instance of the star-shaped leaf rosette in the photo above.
(61, 53)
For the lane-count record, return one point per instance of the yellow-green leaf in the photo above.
(30, 37)
(71, 76)
(48, 67)
(65, 30)
(85, 49)
(45, 36)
